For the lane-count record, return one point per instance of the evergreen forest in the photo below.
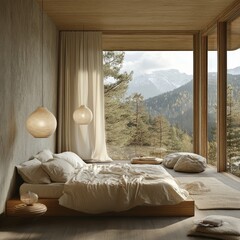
(131, 129)
(163, 124)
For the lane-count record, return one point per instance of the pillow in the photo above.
(190, 163)
(72, 158)
(58, 170)
(229, 229)
(32, 172)
(44, 155)
(170, 160)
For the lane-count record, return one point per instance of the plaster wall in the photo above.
(21, 84)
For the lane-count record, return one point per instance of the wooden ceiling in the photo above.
(233, 36)
(109, 16)
(147, 42)
(133, 14)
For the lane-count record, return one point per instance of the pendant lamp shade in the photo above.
(41, 123)
(82, 115)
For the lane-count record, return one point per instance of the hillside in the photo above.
(177, 105)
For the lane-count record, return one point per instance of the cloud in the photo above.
(141, 62)
(149, 61)
(233, 59)
(212, 61)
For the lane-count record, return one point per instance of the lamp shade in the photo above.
(41, 123)
(82, 115)
(29, 198)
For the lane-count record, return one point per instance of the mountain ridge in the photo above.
(158, 82)
(177, 105)
(161, 81)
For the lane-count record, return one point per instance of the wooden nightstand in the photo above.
(23, 210)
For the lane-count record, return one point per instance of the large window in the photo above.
(148, 102)
(212, 97)
(233, 97)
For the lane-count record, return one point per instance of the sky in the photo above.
(142, 62)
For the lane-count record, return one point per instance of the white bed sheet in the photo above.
(105, 188)
(52, 190)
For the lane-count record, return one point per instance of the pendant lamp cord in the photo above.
(85, 66)
(82, 100)
(42, 54)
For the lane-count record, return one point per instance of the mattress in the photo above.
(52, 190)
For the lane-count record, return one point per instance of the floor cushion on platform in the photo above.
(229, 229)
(190, 163)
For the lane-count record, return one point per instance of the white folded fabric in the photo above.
(209, 222)
(146, 160)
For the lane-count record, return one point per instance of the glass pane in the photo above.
(233, 98)
(212, 98)
(148, 102)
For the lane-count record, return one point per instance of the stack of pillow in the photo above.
(185, 162)
(46, 167)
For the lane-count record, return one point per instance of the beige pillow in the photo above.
(170, 160)
(32, 172)
(58, 170)
(44, 155)
(72, 158)
(190, 163)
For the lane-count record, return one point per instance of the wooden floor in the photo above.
(111, 228)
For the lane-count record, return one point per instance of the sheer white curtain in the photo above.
(81, 82)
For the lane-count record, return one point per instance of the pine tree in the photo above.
(174, 142)
(139, 122)
(212, 148)
(115, 81)
(117, 109)
(233, 129)
(160, 131)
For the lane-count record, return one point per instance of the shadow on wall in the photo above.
(7, 141)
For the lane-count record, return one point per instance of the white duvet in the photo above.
(106, 188)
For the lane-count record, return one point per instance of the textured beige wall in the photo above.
(20, 84)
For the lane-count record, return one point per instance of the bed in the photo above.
(112, 189)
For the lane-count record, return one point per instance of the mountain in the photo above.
(158, 82)
(177, 105)
(144, 86)
(234, 71)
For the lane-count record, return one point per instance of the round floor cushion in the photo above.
(190, 163)
(171, 159)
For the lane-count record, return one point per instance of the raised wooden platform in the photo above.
(183, 209)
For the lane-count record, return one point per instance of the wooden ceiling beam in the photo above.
(227, 15)
(149, 32)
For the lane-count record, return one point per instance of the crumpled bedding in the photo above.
(118, 187)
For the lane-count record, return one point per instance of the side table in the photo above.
(23, 210)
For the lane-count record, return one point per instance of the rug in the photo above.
(210, 193)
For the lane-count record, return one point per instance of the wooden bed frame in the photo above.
(183, 209)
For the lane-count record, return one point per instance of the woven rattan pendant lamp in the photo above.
(41, 123)
(83, 115)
